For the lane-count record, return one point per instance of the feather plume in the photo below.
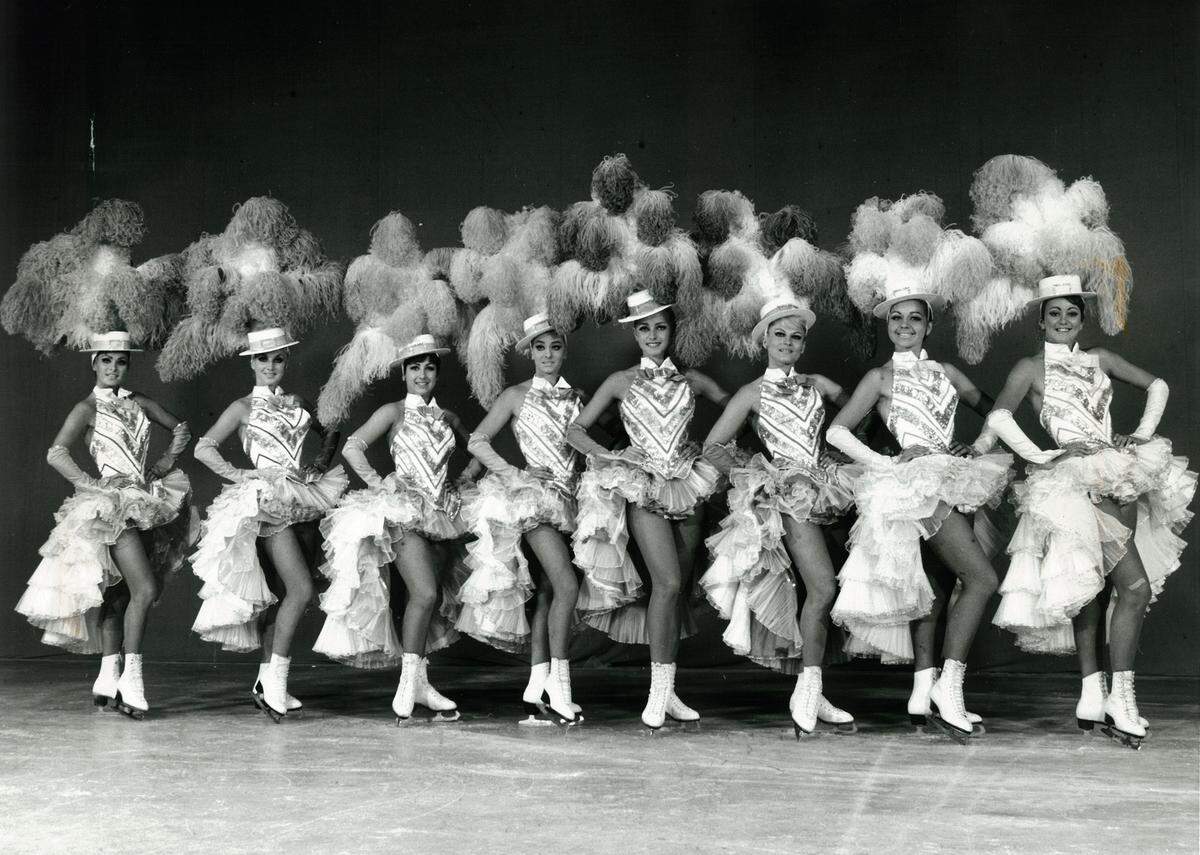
(993, 307)
(654, 213)
(790, 221)
(394, 241)
(368, 357)
(614, 184)
(438, 261)
(484, 230)
(495, 330)
(1001, 179)
(721, 213)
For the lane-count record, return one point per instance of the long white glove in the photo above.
(844, 441)
(1156, 401)
(59, 457)
(1005, 427)
(481, 447)
(355, 453)
(180, 437)
(206, 452)
(986, 440)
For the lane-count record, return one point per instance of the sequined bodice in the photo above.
(790, 415)
(274, 434)
(421, 447)
(120, 437)
(1075, 402)
(923, 404)
(541, 430)
(656, 412)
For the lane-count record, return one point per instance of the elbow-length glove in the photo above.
(1006, 427)
(1156, 402)
(844, 441)
(355, 453)
(206, 452)
(60, 458)
(180, 437)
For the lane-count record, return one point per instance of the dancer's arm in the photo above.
(474, 468)
(58, 455)
(865, 397)
(206, 452)
(612, 389)
(354, 451)
(725, 431)
(480, 441)
(1157, 391)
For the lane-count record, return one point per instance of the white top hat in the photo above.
(535, 325)
(265, 341)
(116, 341)
(898, 292)
(642, 305)
(1067, 285)
(782, 307)
(422, 344)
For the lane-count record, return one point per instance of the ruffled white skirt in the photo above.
(65, 591)
(883, 582)
(361, 536)
(1065, 544)
(498, 512)
(235, 589)
(611, 598)
(750, 581)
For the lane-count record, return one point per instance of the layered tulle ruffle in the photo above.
(750, 581)
(361, 538)
(65, 591)
(235, 590)
(1065, 544)
(498, 511)
(612, 597)
(883, 582)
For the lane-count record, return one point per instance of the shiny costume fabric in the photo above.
(361, 536)
(750, 581)
(503, 507)
(671, 482)
(66, 590)
(883, 584)
(269, 498)
(1064, 544)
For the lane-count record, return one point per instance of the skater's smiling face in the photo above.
(111, 368)
(908, 323)
(1062, 320)
(269, 367)
(548, 351)
(653, 335)
(421, 374)
(785, 340)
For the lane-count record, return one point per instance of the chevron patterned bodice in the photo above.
(541, 431)
(790, 416)
(657, 412)
(120, 437)
(923, 403)
(1075, 402)
(421, 447)
(275, 431)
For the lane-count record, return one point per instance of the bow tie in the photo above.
(554, 393)
(655, 373)
(789, 384)
(427, 412)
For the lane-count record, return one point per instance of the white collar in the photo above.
(265, 392)
(907, 356)
(1061, 350)
(109, 394)
(774, 375)
(542, 384)
(648, 364)
(411, 400)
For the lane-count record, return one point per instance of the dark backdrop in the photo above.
(348, 111)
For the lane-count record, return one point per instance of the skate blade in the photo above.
(272, 713)
(104, 703)
(1126, 739)
(841, 729)
(684, 726)
(131, 712)
(958, 735)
